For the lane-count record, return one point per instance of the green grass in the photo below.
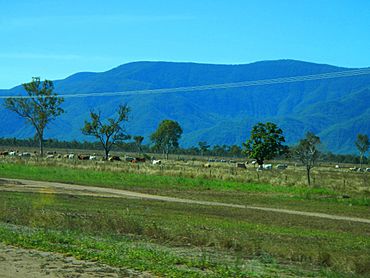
(176, 239)
(240, 235)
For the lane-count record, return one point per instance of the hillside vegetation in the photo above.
(334, 109)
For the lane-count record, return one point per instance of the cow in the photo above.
(207, 165)
(354, 169)
(25, 154)
(49, 156)
(71, 156)
(13, 153)
(138, 160)
(337, 166)
(4, 153)
(281, 166)
(129, 159)
(367, 170)
(92, 157)
(241, 165)
(83, 157)
(114, 158)
(267, 166)
(156, 162)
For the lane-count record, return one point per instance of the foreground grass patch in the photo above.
(242, 234)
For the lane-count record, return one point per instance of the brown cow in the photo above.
(114, 158)
(83, 157)
(138, 160)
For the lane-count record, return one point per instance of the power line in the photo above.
(261, 82)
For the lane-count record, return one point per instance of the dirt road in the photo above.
(19, 262)
(20, 185)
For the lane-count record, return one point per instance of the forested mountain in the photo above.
(335, 109)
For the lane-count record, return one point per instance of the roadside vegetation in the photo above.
(172, 239)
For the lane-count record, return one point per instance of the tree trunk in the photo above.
(41, 144)
(361, 158)
(308, 176)
(106, 153)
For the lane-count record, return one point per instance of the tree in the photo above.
(235, 150)
(138, 141)
(362, 144)
(307, 152)
(109, 133)
(203, 147)
(39, 107)
(265, 142)
(166, 137)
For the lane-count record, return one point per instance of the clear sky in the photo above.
(54, 39)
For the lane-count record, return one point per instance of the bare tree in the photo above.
(307, 152)
(40, 107)
(108, 133)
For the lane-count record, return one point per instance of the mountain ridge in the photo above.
(326, 107)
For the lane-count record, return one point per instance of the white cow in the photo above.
(156, 162)
(267, 166)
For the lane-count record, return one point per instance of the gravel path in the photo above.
(21, 185)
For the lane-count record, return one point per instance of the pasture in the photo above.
(180, 239)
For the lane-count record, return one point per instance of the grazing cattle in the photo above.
(71, 156)
(267, 166)
(156, 162)
(138, 160)
(4, 153)
(207, 165)
(337, 167)
(13, 153)
(354, 169)
(114, 158)
(241, 165)
(92, 157)
(50, 152)
(49, 156)
(83, 157)
(211, 160)
(367, 170)
(129, 159)
(25, 154)
(281, 166)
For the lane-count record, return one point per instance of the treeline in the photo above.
(232, 151)
(222, 151)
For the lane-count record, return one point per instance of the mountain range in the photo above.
(335, 109)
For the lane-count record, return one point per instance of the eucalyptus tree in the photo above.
(39, 107)
(110, 131)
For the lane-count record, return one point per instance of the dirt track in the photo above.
(20, 185)
(19, 262)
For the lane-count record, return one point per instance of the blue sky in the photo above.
(54, 39)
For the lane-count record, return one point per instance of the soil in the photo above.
(19, 262)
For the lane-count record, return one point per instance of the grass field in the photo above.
(176, 240)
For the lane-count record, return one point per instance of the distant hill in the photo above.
(335, 109)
